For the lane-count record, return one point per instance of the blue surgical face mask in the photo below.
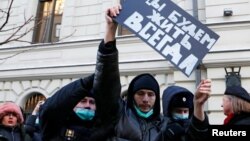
(177, 116)
(85, 114)
(143, 114)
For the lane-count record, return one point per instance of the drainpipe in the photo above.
(198, 69)
(195, 9)
(200, 66)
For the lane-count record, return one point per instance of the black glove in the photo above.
(174, 130)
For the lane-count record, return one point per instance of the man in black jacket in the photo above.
(69, 115)
(139, 118)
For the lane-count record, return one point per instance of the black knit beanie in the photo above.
(181, 100)
(145, 82)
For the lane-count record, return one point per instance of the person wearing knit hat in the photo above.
(11, 126)
(236, 106)
(177, 104)
(144, 96)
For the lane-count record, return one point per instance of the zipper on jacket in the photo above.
(144, 128)
(12, 134)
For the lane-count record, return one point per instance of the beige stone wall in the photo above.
(214, 10)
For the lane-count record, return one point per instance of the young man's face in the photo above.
(87, 103)
(145, 99)
(10, 119)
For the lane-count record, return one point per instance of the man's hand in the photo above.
(112, 12)
(111, 25)
(36, 109)
(202, 94)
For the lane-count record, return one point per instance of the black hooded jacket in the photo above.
(168, 95)
(178, 128)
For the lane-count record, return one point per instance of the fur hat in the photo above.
(238, 91)
(11, 107)
(182, 100)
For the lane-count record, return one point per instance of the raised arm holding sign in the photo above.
(138, 118)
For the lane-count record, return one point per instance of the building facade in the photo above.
(63, 41)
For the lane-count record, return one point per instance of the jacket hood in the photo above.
(169, 98)
(144, 81)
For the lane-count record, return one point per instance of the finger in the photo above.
(205, 96)
(116, 10)
(108, 15)
(205, 90)
(208, 80)
(198, 87)
(120, 6)
(207, 83)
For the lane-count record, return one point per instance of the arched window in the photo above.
(32, 101)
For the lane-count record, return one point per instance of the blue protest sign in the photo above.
(171, 31)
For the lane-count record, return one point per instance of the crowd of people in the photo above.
(92, 109)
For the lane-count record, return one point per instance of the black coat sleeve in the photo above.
(107, 87)
(30, 126)
(198, 130)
